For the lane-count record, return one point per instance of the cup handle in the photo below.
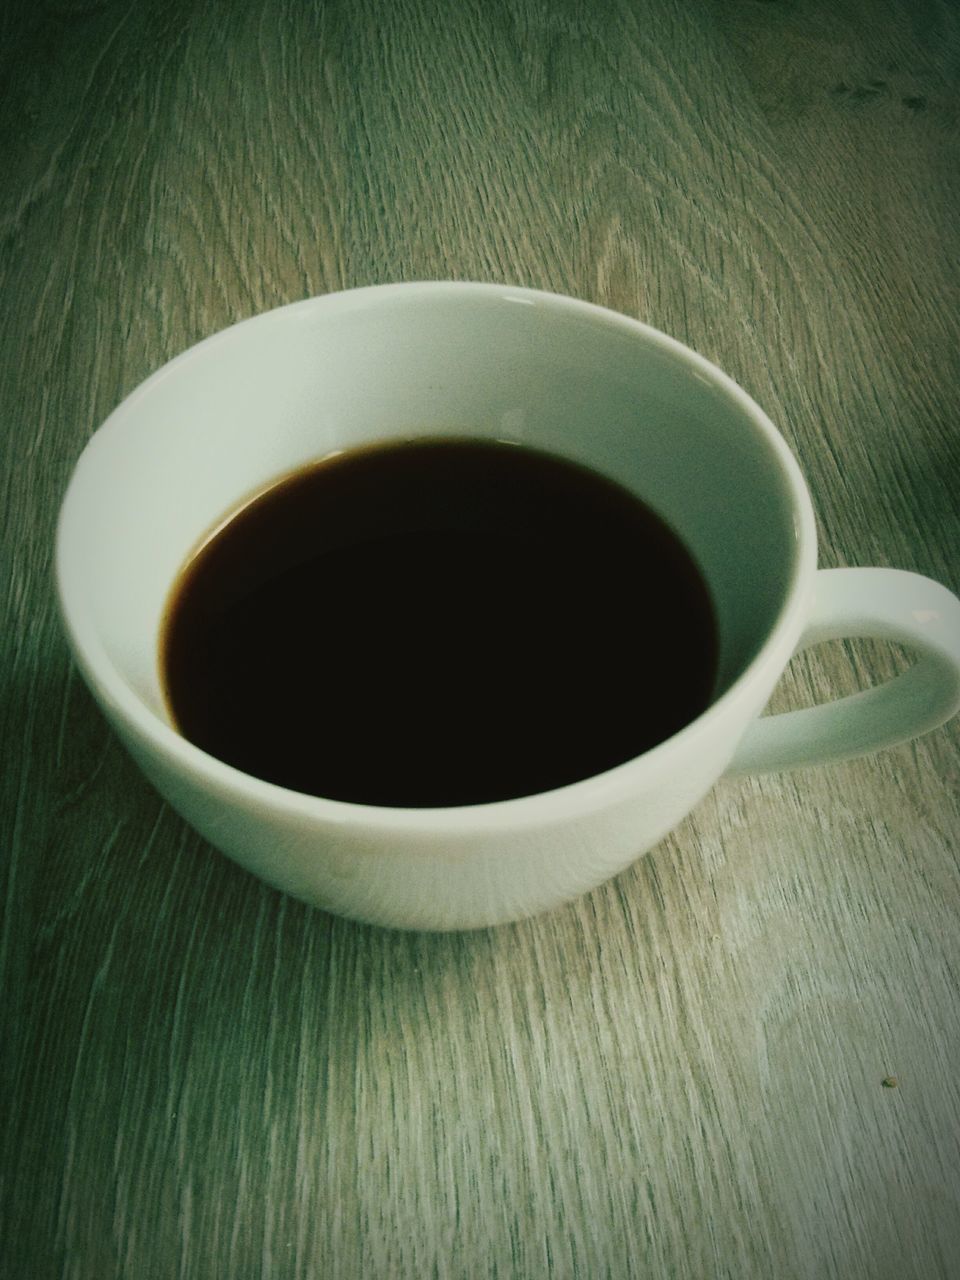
(880, 604)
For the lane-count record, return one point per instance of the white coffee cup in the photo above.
(399, 361)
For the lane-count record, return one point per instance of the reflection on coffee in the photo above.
(438, 622)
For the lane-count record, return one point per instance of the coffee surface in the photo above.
(434, 623)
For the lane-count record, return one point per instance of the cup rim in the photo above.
(577, 797)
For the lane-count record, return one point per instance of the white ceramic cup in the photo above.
(400, 361)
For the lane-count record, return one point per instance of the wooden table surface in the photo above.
(738, 1059)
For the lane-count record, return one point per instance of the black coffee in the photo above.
(443, 622)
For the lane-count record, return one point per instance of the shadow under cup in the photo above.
(272, 394)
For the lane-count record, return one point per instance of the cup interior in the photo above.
(258, 400)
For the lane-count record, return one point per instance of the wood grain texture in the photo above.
(681, 1074)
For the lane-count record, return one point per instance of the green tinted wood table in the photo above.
(737, 1059)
